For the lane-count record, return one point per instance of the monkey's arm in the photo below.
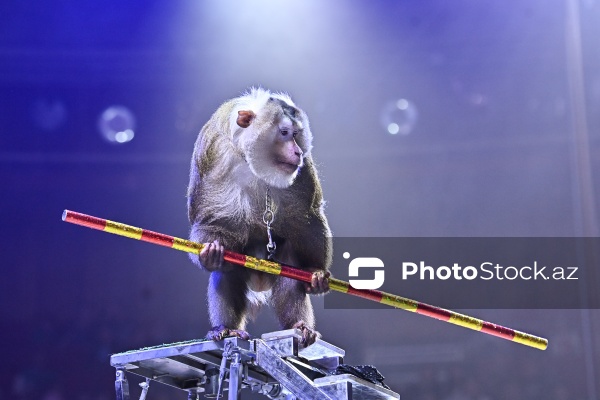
(316, 248)
(217, 239)
(207, 226)
(307, 232)
(205, 229)
(318, 235)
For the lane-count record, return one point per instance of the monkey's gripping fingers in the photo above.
(309, 335)
(319, 283)
(211, 256)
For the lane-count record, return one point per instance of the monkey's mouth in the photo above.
(287, 167)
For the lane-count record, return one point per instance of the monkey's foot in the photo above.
(221, 332)
(309, 335)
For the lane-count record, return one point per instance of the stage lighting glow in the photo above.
(117, 125)
(399, 117)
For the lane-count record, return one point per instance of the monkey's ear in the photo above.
(245, 118)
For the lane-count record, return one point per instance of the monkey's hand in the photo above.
(211, 256)
(319, 283)
(309, 335)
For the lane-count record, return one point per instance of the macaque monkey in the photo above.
(254, 151)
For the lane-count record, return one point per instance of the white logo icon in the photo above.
(365, 262)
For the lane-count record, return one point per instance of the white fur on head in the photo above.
(245, 139)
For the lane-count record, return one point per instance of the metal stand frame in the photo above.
(274, 365)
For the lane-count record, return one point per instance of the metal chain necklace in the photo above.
(268, 217)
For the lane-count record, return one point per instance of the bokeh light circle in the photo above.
(117, 125)
(399, 117)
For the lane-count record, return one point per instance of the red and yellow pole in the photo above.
(306, 276)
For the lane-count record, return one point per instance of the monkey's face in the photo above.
(275, 155)
(287, 155)
(275, 142)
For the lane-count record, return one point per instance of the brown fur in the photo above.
(230, 172)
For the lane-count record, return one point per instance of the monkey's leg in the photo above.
(227, 304)
(294, 309)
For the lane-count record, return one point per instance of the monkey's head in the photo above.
(272, 134)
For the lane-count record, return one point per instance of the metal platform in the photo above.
(275, 366)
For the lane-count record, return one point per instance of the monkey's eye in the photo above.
(283, 132)
(295, 133)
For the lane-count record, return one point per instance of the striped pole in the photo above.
(338, 285)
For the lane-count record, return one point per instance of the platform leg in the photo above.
(145, 386)
(211, 385)
(235, 376)
(121, 385)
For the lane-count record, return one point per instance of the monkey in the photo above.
(254, 152)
